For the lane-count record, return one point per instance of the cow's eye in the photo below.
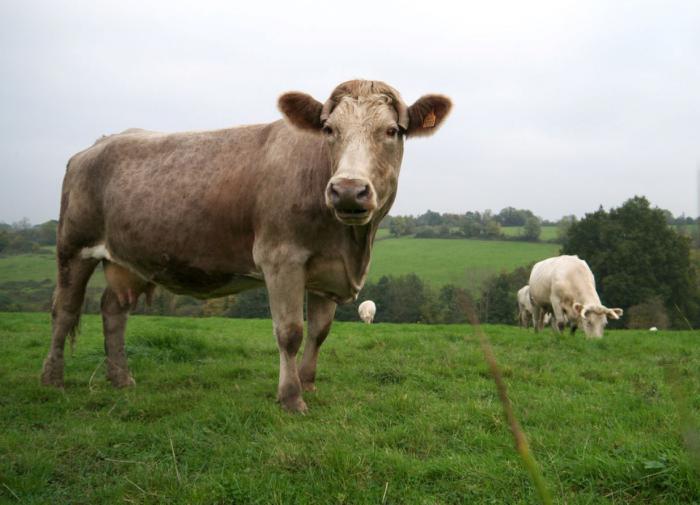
(392, 132)
(327, 130)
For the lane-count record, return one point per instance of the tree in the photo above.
(532, 229)
(430, 218)
(4, 240)
(564, 225)
(510, 216)
(490, 227)
(635, 256)
(402, 225)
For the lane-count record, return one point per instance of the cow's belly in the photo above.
(217, 279)
(201, 284)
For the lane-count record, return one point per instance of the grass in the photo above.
(465, 263)
(548, 232)
(404, 414)
(28, 267)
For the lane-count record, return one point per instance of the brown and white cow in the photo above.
(293, 204)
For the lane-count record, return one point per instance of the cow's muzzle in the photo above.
(352, 200)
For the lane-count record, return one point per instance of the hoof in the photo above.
(308, 386)
(294, 405)
(52, 374)
(122, 381)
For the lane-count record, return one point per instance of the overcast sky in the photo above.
(559, 106)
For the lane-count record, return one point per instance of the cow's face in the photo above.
(364, 124)
(593, 318)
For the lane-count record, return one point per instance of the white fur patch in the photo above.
(98, 252)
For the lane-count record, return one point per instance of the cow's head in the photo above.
(364, 124)
(593, 318)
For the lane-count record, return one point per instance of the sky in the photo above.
(559, 106)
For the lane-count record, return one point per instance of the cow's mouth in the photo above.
(353, 216)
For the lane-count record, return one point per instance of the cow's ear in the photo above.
(427, 114)
(578, 309)
(301, 110)
(614, 313)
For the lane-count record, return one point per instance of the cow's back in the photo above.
(567, 277)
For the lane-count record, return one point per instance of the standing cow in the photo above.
(366, 311)
(293, 204)
(565, 286)
(525, 308)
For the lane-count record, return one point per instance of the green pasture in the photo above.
(404, 414)
(548, 232)
(465, 263)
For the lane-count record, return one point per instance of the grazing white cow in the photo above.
(653, 328)
(367, 310)
(565, 286)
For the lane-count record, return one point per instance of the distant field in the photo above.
(28, 267)
(548, 232)
(404, 414)
(37, 267)
(466, 263)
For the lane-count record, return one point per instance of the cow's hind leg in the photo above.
(121, 295)
(73, 276)
(537, 317)
(114, 315)
(320, 313)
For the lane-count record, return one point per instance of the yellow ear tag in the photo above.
(429, 120)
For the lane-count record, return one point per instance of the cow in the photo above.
(293, 205)
(524, 307)
(565, 286)
(526, 310)
(366, 311)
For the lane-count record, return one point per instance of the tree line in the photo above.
(472, 224)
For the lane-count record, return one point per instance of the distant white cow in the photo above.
(564, 285)
(367, 309)
(653, 328)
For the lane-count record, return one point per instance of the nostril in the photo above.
(334, 192)
(364, 193)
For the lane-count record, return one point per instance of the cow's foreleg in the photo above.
(286, 292)
(114, 315)
(558, 317)
(320, 313)
(73, 275)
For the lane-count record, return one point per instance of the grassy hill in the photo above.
(404, 414)
(466, 263)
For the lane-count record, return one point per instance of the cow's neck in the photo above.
(362, 238)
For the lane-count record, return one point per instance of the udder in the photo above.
(127, 285)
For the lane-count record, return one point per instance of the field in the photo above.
(465, 263)
(404, 414)
(28, 267)
(548, 232)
